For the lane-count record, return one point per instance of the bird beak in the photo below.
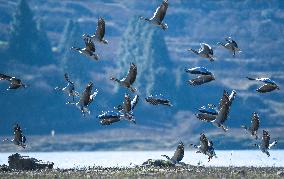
(278, 88)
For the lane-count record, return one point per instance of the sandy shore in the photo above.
(152, 172)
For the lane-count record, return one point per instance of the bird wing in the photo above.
(90, 46)
(179, 153)
(100, 31)
(235, 44)
(131, 75)
(207, 48)
(134, 102)
(224, 100)
(204, 142)
(5, 77)
(127, 103)
(161, 11)
(255, 122)
(266, 139)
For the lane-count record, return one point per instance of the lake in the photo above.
(131, 158)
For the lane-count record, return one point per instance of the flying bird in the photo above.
(86, 98)
(265, 146)
(204, 51)
(158, 100)
(89, 49)
(204, 76)
(69, 89)
(127, 107)
(231, 45)
(159, 16)
(19, 138)
(254, 125)
(15, 83)
(269, 85)
(109, 117)
(178, 155)
(129, 79)
(205, 147)
(99, 34)
(224, 109)
(217, 116)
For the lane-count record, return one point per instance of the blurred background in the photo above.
(35, 41)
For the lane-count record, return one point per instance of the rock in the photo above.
(18, 162)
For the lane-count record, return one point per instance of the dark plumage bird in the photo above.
(129, 79)
(205, 147)
(109, 117)
(231, 45)
(69, 89)
(217, 116)
(158, 100)
(19, 138)
(86, 98)
(204, 51)
(159, 16)
(204, 76)
(89, 49)
(254, 125)
(178, 155)
(264, 146)
(15, 83)
(100, 32)
(269, 85)
(126, 109)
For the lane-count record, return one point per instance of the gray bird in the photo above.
(205, 147)
(19, 138)
(109, 117)
(269, 85)
(99, 34)
(15, 83)
(126, 109)
(224, 109)
(159, 15)
(254, 125)
(86, 98)
(69, 89)
(158, 100)
(129, 79)
(231, 45)
(204, 76)
(204, 51)
(265, 146)
(178, 155)
(217, 116)
(89, 49)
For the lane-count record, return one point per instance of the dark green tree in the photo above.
(144, 45)
(28, 44)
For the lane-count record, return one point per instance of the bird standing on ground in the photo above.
(69, 89)
(264, 146)
(129, 79)
(204, 76)
(205, 147)
(231, 45)
(178, 155)
(99, 34)
(89, 49)
(15, 83)
(269, 85)
(204, 51)
(254, 125)
(159, 16)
